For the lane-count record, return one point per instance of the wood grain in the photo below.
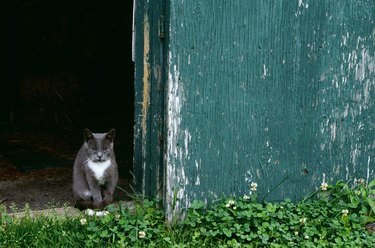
(280, 93)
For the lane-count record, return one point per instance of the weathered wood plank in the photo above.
(149, 99)
(280, 93)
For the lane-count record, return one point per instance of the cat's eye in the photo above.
(93, 148)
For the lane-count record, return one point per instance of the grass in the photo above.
(333, 216)
(39, 231)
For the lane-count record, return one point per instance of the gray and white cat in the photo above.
(95, 171)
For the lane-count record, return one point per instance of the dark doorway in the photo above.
(67, 67)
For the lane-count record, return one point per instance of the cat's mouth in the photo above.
(100, 160)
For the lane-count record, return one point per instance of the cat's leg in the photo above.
(81, 189)
(95, 190)
(109, 189)
(107, 196)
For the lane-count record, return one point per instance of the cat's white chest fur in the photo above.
(99, 168)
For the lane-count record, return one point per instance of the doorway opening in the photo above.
(68, 66)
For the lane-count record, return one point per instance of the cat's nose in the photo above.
(100, 155)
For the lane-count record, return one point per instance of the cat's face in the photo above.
(99, 146)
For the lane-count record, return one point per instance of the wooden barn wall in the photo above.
(280, 93)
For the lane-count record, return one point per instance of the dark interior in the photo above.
(66, 66)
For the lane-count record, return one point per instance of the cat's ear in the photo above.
(87, 134)
(111, 134)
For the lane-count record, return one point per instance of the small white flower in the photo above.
(101, 213)
(234, 208)
(89, 212)
(117, 217)
(230, 204)
(306, 237)
(296, 233)
(253, 186)
(345, 212)
(361, 181)
(83, 221)
(302, 220)
(246, 197)
(324, 186)
(141, 234)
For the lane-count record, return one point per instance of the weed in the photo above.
(333, 216)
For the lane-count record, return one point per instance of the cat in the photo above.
(95, 171)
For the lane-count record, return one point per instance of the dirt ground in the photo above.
(42, 188)
(39, 188)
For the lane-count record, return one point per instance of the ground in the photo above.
(44, 187)
(41, 188)
(38, 188)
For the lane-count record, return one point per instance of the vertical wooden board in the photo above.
(280, 93)
(149, 98)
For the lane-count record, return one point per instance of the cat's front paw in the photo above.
(97, 198)
(107, 199)
(98, 205)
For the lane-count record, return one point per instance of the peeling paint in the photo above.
(355, 75)
(324, 80)
(264, 73)
(146, 93)
(146, 74)
(336, 169)
(177, 143)
(301, 6)
(248, 177)
(187, 140)
(324, 178)
(198, 167)
(347, 172)
(354, 154)
(333, 131)
(367, 63)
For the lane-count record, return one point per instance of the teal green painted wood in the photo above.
(280, 93)
(149, 98)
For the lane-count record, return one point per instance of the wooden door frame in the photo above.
(148, 55)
